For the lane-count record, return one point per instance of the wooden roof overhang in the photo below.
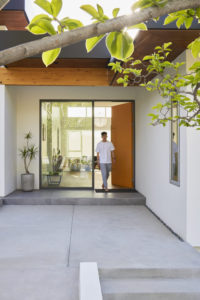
(76, 67)
(13, 15)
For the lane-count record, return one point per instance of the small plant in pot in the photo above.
(28, 153)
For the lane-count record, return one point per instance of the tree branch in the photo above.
(74, 36)
(3, 3)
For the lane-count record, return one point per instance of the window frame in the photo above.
(172, 181)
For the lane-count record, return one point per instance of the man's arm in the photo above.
(113, 156)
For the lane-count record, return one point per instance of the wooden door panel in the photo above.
(122, 138)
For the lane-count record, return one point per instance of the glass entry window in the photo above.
(175, 146)
(66, 144)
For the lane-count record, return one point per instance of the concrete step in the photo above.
(151, 289)
(130, 273)
(150, 284)
(46, 197)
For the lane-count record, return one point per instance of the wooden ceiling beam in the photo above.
(54, 76)
(13, 19)
(62, 63)
(146, 41)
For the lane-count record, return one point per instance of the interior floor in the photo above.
(77, 179)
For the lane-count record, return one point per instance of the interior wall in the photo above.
(167, 200)
(27, 101)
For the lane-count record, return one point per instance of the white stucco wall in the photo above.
(193, 177)
(27, 101)
(7, 142)
(2, 141)
(10, 141)
(193, 180)
(168, 201)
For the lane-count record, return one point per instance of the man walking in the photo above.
(105, 154)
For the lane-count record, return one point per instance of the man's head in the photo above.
(104, 136)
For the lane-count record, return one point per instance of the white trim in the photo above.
(89, 283)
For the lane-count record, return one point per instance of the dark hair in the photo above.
(103, 133)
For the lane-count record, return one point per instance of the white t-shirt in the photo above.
(104, 149)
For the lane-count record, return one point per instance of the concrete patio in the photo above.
(41, 248)
(73, 197)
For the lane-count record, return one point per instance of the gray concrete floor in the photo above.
(89, 197)
(41, 247)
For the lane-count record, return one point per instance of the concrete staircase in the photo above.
(150, 284)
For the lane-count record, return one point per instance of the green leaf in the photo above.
(169, 19)
(43, 26)
(100, 11)
(36, 29)
(141, 26)
(166, 45)
(92, 42)
(195, 66)
(120, 45)
(48, 57)
(44, 4)
(115, 12)
(71, 23)
(188, 22)
(56, 6)
(32, 27)
(195, 47)
(136, 62)
(147, 57)
(198, 12)
(40, 16)
(90, 10)
(180, 21)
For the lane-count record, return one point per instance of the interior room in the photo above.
(70, 132)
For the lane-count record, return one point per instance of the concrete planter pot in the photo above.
(27, 182)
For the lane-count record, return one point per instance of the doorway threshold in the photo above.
(116, 191)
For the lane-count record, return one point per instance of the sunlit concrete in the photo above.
(41, 248)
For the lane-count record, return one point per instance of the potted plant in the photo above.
(86, 163)
(28, 153)
(75, 165)
(54, 177)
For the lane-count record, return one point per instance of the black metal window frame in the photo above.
(93, 130)
(172, 181)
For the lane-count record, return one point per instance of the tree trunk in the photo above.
(74, 36)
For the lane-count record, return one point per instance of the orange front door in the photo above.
(122, 138)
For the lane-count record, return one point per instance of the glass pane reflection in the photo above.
(174, 145)
(66, 144)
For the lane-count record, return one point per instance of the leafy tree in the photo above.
(3, 3)
(69, 31)
(177, 89)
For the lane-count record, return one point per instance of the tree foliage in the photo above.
(171, 85)
(170, 82)
(119, 44)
